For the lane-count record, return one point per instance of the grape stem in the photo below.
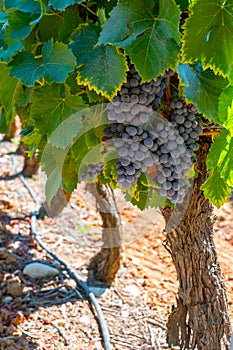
(207, 133)
(168, 90)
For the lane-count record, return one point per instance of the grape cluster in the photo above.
(133, 145)
(92, 171)
(138, 149)
(128, 112)
(135, 102)
(167, 145)
(183, 118)
(172, 160)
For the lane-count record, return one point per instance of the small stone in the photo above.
(7, 299)
(3, 253)
(133, 290)
(11, 259)
(14, 288)
(38, 270)
(56, 264)
(84, 319)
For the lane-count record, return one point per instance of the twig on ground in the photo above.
(119, 295)
(61, 332)
(158, 323)
(28, 334)
(152, 336)
(126, 344)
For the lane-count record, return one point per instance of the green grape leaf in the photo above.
(49, 25)
(9, 48)
(52, 185)
(26, 68)
(215, 188)
(4, 125)
(202, 88)
(103, 69)
(184, 4)
(209, 23)
(23, 16)
(117, 28)
(93, 96)
(32, 141)
(226, 161)
(52, 158)
(220, 156)
(91, 138)
(10, 91)
(58, 62)
(156, 200)
(71, 21)
(226, 108)
(61, 4)
(149, 34)
(3, 17)
(51, 105)
(20, 24)
(84, 39)
(23, 5)
(219, 144)
(69, 175)
(109, 173)
(70, 129)
(140, 193)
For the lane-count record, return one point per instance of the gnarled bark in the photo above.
(200, 320)
(104, 266)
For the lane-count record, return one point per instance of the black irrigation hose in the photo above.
(69, 269)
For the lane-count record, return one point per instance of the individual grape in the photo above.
(179, 119)
(162, 192)
(92, 171)
(167, 185)
(126, 184)
(188, 124)
(144, 118)
(176, 186)
(139, 155)
(131, 130)
(148, 142)
(163, 134)
(131, 153)
(148, 162)
(166, 172)
(179, 104)
(125, 162)
(172, 145)
(118, 142)
(135, 146)
(123, 151)
(130, 179)
(134, 98)
(161, 179)
(134, 82)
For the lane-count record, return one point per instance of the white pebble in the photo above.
(38, 270)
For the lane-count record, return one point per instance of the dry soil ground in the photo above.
(55, 314)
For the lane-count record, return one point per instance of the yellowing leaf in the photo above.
(208, 35)
(215, 189)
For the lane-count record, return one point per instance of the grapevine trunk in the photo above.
(200, 320)
(104, 266)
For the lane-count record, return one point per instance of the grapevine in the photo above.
(143, 83)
